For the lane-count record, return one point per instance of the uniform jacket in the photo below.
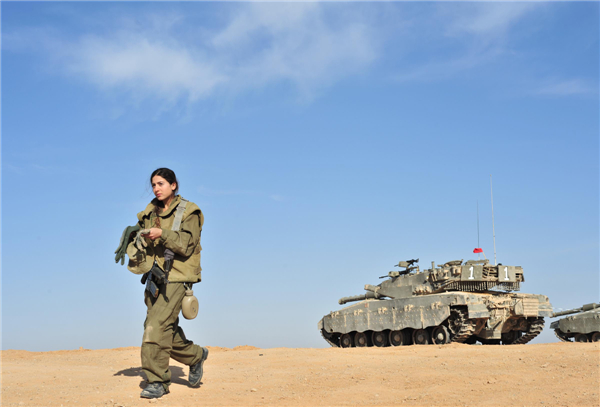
(185, 242)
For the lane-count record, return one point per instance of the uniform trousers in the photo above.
(163, 337)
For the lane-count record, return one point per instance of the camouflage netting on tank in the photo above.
(509, 286)
(475, 286)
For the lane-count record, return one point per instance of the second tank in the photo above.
(581, 325)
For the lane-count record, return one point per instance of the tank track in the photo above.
(560, 335)
(466, 329)
(335, 345)
(535, 328)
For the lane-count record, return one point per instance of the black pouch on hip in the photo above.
(151, 287)
(156, 277)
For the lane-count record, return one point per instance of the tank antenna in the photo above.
(493, 227)
(478, 255)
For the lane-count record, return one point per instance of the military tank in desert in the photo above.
(468, 302)
(581, 325)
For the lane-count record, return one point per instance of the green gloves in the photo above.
(140, 241)
(125, 237)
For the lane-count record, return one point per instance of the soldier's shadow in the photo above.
(178, 376)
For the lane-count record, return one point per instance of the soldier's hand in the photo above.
(153, 233)
(125, 238)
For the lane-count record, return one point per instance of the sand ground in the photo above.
(556, 374)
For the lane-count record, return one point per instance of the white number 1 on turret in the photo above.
(506, 273)
(471, 276)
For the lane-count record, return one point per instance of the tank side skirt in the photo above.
(584, 323)
(379, 315)
(323, 334)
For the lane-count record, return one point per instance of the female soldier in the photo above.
(176, 248)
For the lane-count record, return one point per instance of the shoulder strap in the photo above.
(179, 214)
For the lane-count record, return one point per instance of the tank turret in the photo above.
(472, 276)
(582, 324)
(453, 301)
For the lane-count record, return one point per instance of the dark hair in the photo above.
(168, 175)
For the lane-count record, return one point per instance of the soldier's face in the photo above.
(161, 188)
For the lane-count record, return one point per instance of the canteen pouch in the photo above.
(189, 305)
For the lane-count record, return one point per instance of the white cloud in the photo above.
(568, 87)
(145, 66)
(209, 192)
(489, 18)
(278, 198)
(444, 69)
(468, 36)
(221, 192)
(260, 45)
(172, 59)
(301, 48)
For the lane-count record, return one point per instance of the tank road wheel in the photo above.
(455, 321)
(421, 337)
(596, 337)
(346, 340)
(581, 338)
(379, 339)
(360, 339)
(561, 335)
(511, 336)
(460, 327)
(397, 338)
(440, 335)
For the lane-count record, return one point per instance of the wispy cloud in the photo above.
(466, 36)
(27, 167)
(220, 192)
(445, 68)
(308, 47)
(568, 87)
(209, 192)
(295, 43)
(488, 19)
(146, 66)
(278, 198)
(13, 168)
(259, 45)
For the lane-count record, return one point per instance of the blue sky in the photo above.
(324, 142)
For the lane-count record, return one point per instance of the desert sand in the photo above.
(555, 374)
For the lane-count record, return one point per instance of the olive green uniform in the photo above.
(163, 337)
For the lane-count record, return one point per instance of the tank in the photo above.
(465, 302)
(582, 324)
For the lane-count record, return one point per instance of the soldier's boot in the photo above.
(154, 391)
(196, 371)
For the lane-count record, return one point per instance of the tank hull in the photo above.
(582, 327)
(490, 317)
